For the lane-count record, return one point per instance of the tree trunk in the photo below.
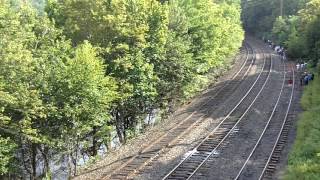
(109, 148)
(69, 165)
(124, 136)
(119, 127)
(33, 161)
(119, 133)
(44, 153)
(94, 142)
(25, 154)
(74, 158)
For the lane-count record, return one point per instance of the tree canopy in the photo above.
(50, 92)
(297, 29)
(72, 72)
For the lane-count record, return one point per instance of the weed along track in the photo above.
(213, 98)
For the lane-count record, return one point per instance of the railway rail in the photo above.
(190, 165)
(275, 154)
(255, 163)
(242, 93)
(150, 152)
(259, 157)
(262, 161)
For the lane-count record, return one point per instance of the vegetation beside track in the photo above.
(305, 156)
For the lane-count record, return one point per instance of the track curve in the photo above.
(191, 164)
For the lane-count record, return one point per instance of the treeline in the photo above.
(300, 33)
(82, 69)
(297, 29)
(258, 16)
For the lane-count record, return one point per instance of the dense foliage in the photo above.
(157, 52)
(300, 33)
(259, 15)
(73, 74)
(297, 29)
(51, 95)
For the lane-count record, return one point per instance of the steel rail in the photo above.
(228, 115)
(266, 126)
(243, 65)
(200, 118)
(248, 49)
(252, 62)
(235, 125)
(282, 127)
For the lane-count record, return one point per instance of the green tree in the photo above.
(280, 30)
(259, 16)
(53, 98)
(7, 149)
(156, 56)
(79, 97)
(129, 44)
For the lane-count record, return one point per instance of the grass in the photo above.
(304, 158)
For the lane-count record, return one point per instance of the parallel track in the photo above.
(189, 166)
(257, 157)
(274, 156)
(150, 152)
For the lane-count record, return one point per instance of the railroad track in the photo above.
(259, 160)
(150, 152)
(191, 164)
(282, 137)
(232, 83)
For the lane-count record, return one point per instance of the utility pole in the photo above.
(281, 8)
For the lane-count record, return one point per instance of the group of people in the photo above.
(280, 50)
(305, 78)
(301, 66)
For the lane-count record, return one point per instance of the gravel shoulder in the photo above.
(283, 162)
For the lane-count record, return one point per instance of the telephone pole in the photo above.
(281, 8)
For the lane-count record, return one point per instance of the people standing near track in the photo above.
(306, 79)
(301, 80)
(270, 43)
(302, 66)
(298, 66)
(309, 77)
(284, 55)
